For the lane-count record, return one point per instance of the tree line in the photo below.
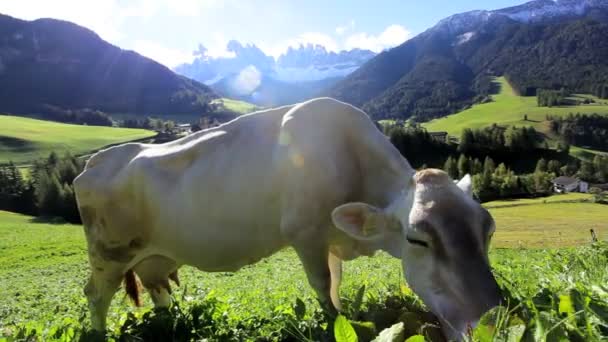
(498, 138)
(550, 98)
(490, 154)
(582, 130)
(47, 191)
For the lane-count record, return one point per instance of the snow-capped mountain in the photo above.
(541, 44)
(531, 12)
(211, 70)
(314, 63)
(248, 70)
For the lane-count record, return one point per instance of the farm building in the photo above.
(439, 136)
(184, 128)
(565, 184)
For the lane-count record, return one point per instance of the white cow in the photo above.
(317, 176)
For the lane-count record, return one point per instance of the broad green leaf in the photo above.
(392, 334)
(565, 305)
(415, 338)
(343, 330)
(515, 332)
(484, 333)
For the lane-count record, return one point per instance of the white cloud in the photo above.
(247, 80)
(340, 30)
(392, 36)
(167, 56)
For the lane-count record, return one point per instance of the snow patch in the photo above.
(465, 37)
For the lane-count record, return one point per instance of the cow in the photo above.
(317, 176)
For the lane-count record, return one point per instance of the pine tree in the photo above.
(451, 167)
(477, 167)
(464, 166)
(554, 167)
(488, 166)
(541, 165)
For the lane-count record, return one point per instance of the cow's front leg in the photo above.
(100, 289)
(311, 246)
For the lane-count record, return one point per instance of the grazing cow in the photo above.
(317, 176)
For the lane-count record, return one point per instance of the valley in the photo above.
(509, 109)
(23, 140)
(69, 89)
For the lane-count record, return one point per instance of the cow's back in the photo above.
(217, 198)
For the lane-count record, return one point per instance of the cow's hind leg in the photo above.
(155, 272)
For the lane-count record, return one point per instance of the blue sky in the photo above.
(169, 31)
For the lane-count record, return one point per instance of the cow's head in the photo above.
(443, 237)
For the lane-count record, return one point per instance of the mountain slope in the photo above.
(541, 44)
(49, 62)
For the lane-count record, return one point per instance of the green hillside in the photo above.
(25, 139)
(237, 106)
(509, 109)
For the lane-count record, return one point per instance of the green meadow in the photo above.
(552, 276)
(24, 139)
(237, 106)
(507, 108)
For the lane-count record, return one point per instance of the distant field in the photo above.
(549, 224)
(25, 139)
(558, 198)
(509, 109)
(240, 107)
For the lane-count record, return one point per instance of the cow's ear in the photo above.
(466, 184)
(363, 221)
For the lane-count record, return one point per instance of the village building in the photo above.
(565, 184)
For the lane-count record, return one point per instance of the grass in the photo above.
(43, 267)
(550, 224)
(25, 139)
(557, 198)
(237, 106)
(508, 108)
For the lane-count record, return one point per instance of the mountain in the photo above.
(249, 74)
(540, 44)
(49, 63)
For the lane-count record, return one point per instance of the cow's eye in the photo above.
(417, 242)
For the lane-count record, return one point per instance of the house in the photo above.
(565, 184)
(439, 136)
(183, 128)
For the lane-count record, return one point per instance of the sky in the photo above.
(169, 31)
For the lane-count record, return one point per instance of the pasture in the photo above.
(24, 139)
(508, 109)
(237, 106)
(554, 294)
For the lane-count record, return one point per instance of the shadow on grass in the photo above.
(207, 319)
(48, 220)
(17, 144)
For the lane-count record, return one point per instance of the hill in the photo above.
(541, 44)
(507, 108)
(236, 106)
(24, 139)
(48, 64)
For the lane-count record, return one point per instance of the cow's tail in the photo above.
(132, 287)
